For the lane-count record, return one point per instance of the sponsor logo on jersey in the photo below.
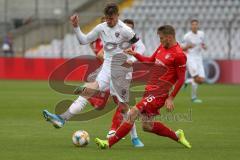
(117, 34)
(158, 62)
(167, 56)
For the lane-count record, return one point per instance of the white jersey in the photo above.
(115, 39)
(197, 40)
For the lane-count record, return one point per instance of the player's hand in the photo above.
(129, 62)
(189, 46)
(169, 104)
(204, 46)
(74, 19)
(129, 51)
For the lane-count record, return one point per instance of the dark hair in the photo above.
(166, 30)
(110, 9)
(129, 21)
(194, 20)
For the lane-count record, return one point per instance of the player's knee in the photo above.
(146, 126)
(199, 80)
(123, 107)
(130, 121)
(93, 85)
(132, 115)
(202, 80)
(90, 88)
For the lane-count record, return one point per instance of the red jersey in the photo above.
(98, 45)
(173, 60)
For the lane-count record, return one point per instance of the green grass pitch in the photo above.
(213, 128)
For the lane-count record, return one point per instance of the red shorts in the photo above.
(150, 105)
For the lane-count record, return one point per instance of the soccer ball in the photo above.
(80, 138)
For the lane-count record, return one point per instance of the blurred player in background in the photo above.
(115, 36)
(193, 44)
(168, 70)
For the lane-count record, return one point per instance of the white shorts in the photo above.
(195, 67)
(116, 79)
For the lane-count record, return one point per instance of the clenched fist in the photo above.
(129, 51)
(74, 19)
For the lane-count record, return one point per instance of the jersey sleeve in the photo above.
(180, 66)
(129, 35)
(89, 37)
(203, 38)
(142, 58)
(184, 41)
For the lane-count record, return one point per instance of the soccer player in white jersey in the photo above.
(116, 120)
(116, 37)
(194, 44)
(94, 100)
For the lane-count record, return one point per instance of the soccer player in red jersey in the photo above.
(168, 70)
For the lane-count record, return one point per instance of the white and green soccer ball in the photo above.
(80, 138)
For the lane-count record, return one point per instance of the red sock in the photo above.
(115, 99)
(161, 130)
(117, 118)
(122, 131)
(99, 100)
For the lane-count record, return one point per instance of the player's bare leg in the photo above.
(87, 90)
(148, 126)
(120, 116)
(121, 132)
(76, 107)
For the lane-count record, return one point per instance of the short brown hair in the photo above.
(166, 30)
(194, 20)
(129, 21)
(111, 9)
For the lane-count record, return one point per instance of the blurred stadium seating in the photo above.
(66, 48)
(220, 19)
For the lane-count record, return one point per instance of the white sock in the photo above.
(194, 90)
(75, 108)
(133, 132)
(176, 134)
(78, 105)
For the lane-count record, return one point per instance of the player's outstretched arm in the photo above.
(139, 48)
(187, 46)
(180, 64)
(140, 57)
(83, 38)
(181, 70)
